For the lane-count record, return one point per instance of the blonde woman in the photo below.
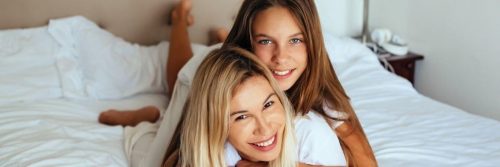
(234, 100)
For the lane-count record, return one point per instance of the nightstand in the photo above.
(404, 66)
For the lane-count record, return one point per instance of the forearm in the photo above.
(359, 147)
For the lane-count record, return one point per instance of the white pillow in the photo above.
(27, 65)
(344, 50)
(100, 65)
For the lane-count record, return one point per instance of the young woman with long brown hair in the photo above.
(312, 85)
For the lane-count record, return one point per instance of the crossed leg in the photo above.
(179, 53)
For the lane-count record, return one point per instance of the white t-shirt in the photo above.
(317, 143)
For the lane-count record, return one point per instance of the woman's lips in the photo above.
(282, 74)
(266, 145)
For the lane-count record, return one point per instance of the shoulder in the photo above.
(312, 124)
(231, 155)
(318, 144)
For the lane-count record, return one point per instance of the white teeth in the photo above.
(266, 143)
(281, 72)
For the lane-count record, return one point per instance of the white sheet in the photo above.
(64, 133)
(27, 65)
(406, 128)
(100, 65)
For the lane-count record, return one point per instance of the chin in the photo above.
(269, 158)
(285, 86)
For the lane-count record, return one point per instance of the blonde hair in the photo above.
(205, 123)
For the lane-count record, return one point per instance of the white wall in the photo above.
(461, 43)
(341, 17)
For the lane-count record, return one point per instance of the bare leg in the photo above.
(179, 53)
(180, 50)
(129, 118)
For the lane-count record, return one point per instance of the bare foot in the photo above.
(218, 35)
(129, 118)
(182, 13)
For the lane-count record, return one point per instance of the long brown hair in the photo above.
(204, 126)
(318, 85)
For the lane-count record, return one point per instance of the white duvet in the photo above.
(406, 128)
(64, 133)
(42, 121)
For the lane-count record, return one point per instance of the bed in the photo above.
(49, 100)
(55, 78)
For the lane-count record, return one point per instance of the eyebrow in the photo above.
(244, 111)
(268, 97)
(296, 34)
(264, 35)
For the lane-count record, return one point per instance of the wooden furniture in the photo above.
(404, 66)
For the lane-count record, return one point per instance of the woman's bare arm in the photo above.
(361, 150)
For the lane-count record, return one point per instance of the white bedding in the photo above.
(61, 132)
(27, 71)
(42, 120)
(406, 128)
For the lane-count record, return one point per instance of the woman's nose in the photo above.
(280, 55)
(263, 127)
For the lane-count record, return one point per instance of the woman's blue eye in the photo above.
(241, 117)
(295, 41)
(268, 104)
(264, 42)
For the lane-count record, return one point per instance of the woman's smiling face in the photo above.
(257, 120)
(278, 41)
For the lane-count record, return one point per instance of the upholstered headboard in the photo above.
(140, 21)
(144, 21)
